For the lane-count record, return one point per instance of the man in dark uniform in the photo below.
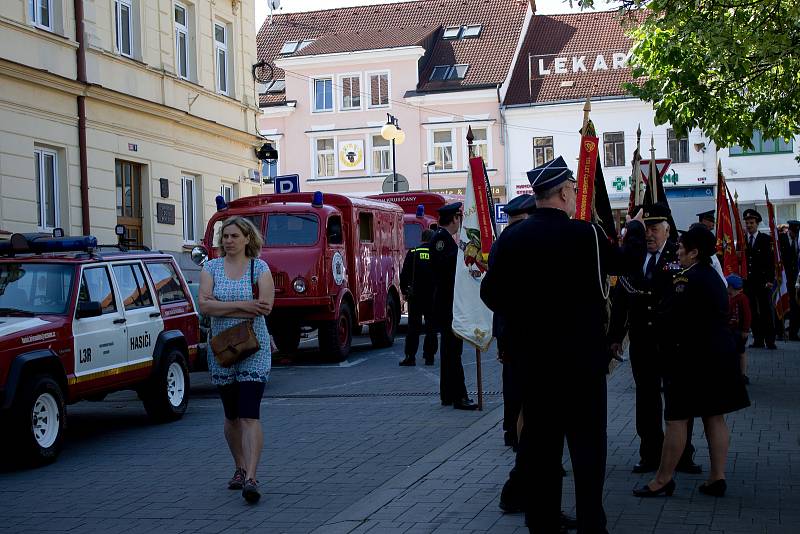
(789, 251)
(708, 219)
(416, 284)
(760, 275)
(637, 309)
(548, 282)
(444, 254)
(517, 210)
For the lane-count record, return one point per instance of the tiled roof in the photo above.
(489, 55)
(570, 36)
(354, 41)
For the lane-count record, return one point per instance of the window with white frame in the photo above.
(123, 24)
(323, 94)
(182, 55)
(381, 154)
(226, 192)
(351, 92)
(481, 143)
(678, 146)
(614, 147)
(269, 170)
(542, 150)
(189, 200)
(443, 150)
(326, 158)
(41, 13)
(46, 171)
(221, 57)
(379, 89)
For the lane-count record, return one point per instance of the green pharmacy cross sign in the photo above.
(619, 183)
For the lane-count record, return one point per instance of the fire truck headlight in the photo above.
(299, 285)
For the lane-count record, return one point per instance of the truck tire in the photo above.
(166, 394)
(382, 334)
(336, 336)
(39, 418)
(286, 337)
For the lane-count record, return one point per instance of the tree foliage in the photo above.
(728, 67)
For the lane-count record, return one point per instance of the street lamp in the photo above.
(428, 169)
(391, 132)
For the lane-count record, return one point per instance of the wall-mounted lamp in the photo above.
(700, 146)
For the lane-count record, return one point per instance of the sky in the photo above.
(289, 6)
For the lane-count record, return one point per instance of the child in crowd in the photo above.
(739, 318)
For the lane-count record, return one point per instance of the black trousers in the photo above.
(762, 312)
(794, 314)
(575, 409)
(416, 313)
(649, 405)
(451, 375)
(512, 392)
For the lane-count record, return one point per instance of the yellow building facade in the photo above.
(163, 113)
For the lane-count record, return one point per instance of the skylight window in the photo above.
(443, 73)
(277, 86)
(452, 33)
(472, 31)
(304, 44)
(289, 47)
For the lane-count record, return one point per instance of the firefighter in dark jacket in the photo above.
(416, 284)
(517, 210)
(637, 310)
(444, 254)
(760, 277)
(548, 281)
(789, 252)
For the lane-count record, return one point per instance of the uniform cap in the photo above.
(549, 175)
(793, 224)
(450, 209)
(751, 214)
(734, 281)
(706, 215)
(522, 204)
(656, 213)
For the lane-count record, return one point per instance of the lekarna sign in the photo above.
(500, 216)
(287, 183)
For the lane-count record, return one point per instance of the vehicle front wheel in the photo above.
(166, 395)
(39, 419)
(335, 337)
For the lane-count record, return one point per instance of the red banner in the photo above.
(587, 162)
(481, 205)
(725, 241)
(780, 292)
(741, 248)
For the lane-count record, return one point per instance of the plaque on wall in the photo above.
(165, 213)
(164, 183)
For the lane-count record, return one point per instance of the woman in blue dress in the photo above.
(227, 296)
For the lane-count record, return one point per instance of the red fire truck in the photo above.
(419, 209)
(335, 261)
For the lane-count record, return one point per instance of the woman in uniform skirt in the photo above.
(701, 375)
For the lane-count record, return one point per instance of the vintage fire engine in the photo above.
(335, 261)
(419, 208)
(79, 320)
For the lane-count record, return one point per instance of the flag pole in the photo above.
(478, 370)
(653, 170)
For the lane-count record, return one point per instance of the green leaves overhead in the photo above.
(727, 67)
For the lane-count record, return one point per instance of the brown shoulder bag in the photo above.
(238, 342)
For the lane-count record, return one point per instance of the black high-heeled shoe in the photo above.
(667, 489)
(715, 489)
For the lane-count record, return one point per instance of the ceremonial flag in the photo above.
(780, 292)
(654, 191)
(592, 192)
(472, 320)
(637, 179)
(741, 247)
(725, 242)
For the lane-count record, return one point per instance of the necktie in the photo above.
(752, 239)
(651, 266)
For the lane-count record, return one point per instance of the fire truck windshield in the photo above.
(34, 288)
(291, 229)
(413, 235)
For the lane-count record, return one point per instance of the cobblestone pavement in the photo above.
(366, 447)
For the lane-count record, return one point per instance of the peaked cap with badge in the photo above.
(706, 216)
(752, 214)
(656, 213)
(450, 209)
(522, 204)
(549, 175)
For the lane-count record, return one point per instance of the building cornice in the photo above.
(277, 112)
(571, 102)
(361, 56)
(454, 97)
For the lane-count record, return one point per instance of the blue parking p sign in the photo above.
(500, 216)
(287, 183)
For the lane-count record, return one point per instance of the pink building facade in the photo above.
(332, 89)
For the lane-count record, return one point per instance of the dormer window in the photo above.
(470, 31)
(442, 73)
(304, 44)
(275, 87)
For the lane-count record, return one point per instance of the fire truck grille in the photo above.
(280, 282)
